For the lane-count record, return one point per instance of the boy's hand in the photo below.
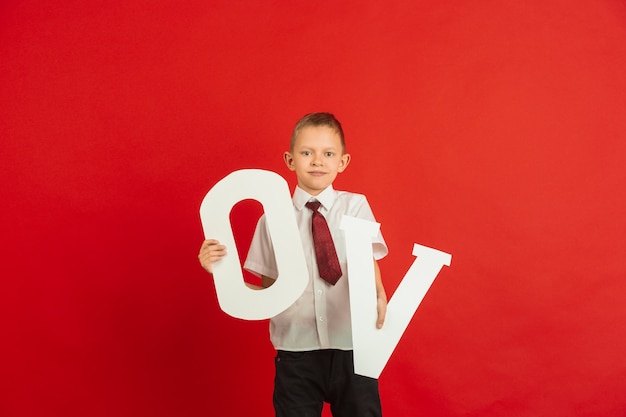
(210, 251)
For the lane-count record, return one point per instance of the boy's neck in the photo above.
(317, 193)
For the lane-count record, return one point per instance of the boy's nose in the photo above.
(316, 160)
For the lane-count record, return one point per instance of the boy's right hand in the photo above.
(210, 251)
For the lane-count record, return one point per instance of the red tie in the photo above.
(325, 254)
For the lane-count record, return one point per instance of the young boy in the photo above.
(313, 337)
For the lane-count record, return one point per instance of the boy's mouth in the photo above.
(316, 173)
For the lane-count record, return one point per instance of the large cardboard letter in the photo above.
(372, 346)
(272, 191)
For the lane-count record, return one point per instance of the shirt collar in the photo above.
(326, 197)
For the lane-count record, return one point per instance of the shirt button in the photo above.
(321, 318)
(320, 292)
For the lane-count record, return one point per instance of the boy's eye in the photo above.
(329, 154)
(306, 153)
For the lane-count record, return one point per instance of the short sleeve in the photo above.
(379, 246)
(260, 259)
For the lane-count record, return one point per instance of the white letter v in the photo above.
(373, 347)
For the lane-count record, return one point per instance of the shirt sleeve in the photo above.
(379, 246)
(261, 260)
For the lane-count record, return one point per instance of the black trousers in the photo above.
(305, 380)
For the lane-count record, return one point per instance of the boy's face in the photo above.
(317, 157)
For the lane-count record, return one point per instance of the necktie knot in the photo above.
(313, 205)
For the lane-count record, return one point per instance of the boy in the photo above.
(313, 337)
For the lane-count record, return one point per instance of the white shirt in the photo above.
(320, 318)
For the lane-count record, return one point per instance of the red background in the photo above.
(492, 130)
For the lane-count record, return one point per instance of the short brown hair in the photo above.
(318, 119)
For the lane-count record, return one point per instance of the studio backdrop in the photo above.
(491, 130)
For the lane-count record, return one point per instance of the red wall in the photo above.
(491, 130)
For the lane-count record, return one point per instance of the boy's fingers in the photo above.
(210, 251)
(209, 242)
(212, 245)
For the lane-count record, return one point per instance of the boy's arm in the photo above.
(211, 251)
(381, 297)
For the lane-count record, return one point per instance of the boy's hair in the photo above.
(318, 119)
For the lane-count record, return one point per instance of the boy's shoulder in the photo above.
(349, 194)
(349, 198)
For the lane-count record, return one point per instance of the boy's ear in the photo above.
(289, 161)
(345, 160)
